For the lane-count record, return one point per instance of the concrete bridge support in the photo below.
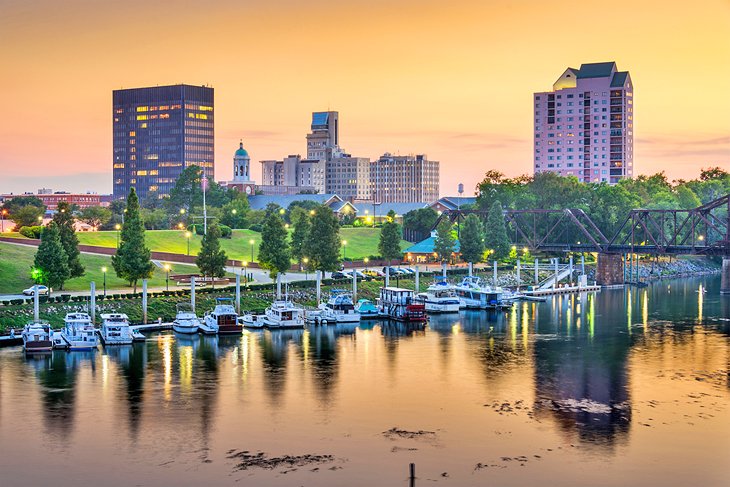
(725, 280)
(610, 270)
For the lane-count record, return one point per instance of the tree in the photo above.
(390, 236)
(132, 260)
(154, 219)
(495, 235)
(64, 219)
(235, 211)
(26, 216)
(274, 253)
(95, 216)
(300, 219)
(188, 192)
(51, 262)
(212, 259)
(445, 243)
(471, 240)
(18, 202)
(420, 221)
(323, 244)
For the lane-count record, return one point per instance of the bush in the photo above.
(256, 227)
(226, 231)
(31, 232)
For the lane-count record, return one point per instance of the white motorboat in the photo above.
(115, 329)
(223, 319)
(185, 319)
(338, 309)
(37, 337)
(472, 294)
(440, 297)
(250, 320)
(283, 314)
(78, 332)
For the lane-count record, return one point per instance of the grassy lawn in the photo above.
(361, 242)
(16, 261)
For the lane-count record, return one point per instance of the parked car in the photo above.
(374, 273)
(359, 274)
(408, 270)
(340, 275)
(41, 290)
(393, 271)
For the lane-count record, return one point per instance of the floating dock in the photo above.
(563, 290)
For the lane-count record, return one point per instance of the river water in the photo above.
(624, 387)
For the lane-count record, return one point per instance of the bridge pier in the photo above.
(610, 270)
(725, 279)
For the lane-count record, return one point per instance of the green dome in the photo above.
(241, 152)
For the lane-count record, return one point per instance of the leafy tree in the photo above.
(212, 259)
(95, 216)
(188, 192)
(274, 253)
(132, 260)
(51, 262)
(18, 202)
(686, 198)
(302, 225)
(445, 243)
(390, 237)
(26, 216)
(233, 213)
(420, 221)
(495, 235)
(154, 219)
(471, 240)
(323, 244)
(64, 219)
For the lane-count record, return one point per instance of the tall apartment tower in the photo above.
(584, 127)
(404, 179)
(324, 139)
(158, 132)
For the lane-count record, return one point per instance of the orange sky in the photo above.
(453, 80)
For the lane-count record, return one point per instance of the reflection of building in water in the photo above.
(57, 373)
(580, 372)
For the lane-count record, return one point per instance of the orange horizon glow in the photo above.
(453, 81)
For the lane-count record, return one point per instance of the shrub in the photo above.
(256, 227)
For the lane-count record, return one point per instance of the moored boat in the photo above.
(367, 309)
(472, 294)
(37, 337)
(115, 329)
(250, 320)
(399, 304)
(338, 309)
(440, 297)
(185, 321)
(283, 314)
(223, 319)
(78, 332)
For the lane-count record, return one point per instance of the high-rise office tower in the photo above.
(324, 139)
(584, 127)
(404, 179)
(158, 132)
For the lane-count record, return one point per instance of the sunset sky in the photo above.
(453, 80)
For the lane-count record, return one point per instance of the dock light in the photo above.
(103, 270)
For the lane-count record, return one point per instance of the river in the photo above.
(622, 387)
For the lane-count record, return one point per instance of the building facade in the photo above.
(51, 200)
(404, 179)
(584, 127)
(349, 177)
(324, 139)
(158, 132)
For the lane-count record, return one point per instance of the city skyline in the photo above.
(463, 97)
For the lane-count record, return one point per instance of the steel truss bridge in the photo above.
(704, 230)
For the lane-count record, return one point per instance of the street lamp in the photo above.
(2, 220)
(180, 225)
(305, 260)
(167, 277)
(40, 219)
(251, 242)
(103, 270)
(245, 272)
(366, 260)
(188, 235)
(344, 249)
(117, 227)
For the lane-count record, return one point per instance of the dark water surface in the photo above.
(625, 387)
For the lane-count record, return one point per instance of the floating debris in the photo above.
(245, 460)
(395, 433)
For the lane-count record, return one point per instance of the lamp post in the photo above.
(188, 235)
(251, 242)
(103, 270)
(344, 249)
(117, 227)
(305, 260)
(40, 220)
(366, 260)
(245, 272)
(167, 277)
(2, 220)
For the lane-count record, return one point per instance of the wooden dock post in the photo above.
(412, 474)
(537, 265)
(418, 280)
(443, 269)
(518, 274)
(36, 304)
(471, 269)
(318, 275)
(92, 303)
(387, 276)
(495, 274)
(354, 286)
(144, 301)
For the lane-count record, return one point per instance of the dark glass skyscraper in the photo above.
(158, 132)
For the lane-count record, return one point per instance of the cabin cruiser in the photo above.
(440, 297)
(37, 337)
(115, 329)
(339, 309)
(185, 319)
(78, 333)
(400, 304)
(223, 319)
(283, 314)
(250, 320)
(472, 294)
(367, 309)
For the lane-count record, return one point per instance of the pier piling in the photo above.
(238, 293)
(192, 292)
(144, 301)
(92, 303)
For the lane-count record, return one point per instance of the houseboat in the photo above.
(283, 314)
(115, 329)
(400, 304)
(186, 321)
(37, 337)
(440, 297)
(78, 333)
(339, 309)
(223, 319)
(472, 294)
